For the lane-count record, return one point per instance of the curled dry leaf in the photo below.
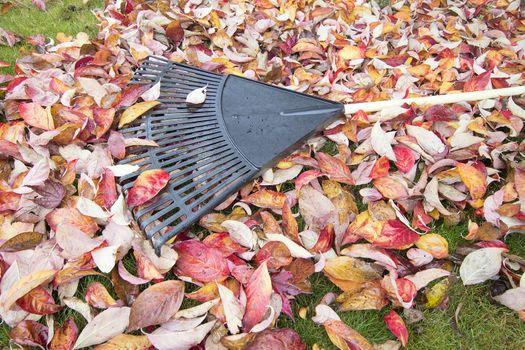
(29, 333)
(65, 336)
(197, 96)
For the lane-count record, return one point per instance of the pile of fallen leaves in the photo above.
(64, 218)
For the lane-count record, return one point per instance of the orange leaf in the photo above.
(289, 223)
(334, 168)
(38, 301)
(258, 293)
(266, 199)
(434, 244)
(34, 115)
(396, 325)
(147, 185)
(474, 179)
(344, 337)
(380, 168)
(275, 253)
(65, 336)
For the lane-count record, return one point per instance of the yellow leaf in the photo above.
(474, 179)
(126, 341)
(348, 273)
(436, 294)
(351, 53)
(136, 111)
(24, 286)
(434, 244)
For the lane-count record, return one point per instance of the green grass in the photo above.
(482, 324)
(62, 16)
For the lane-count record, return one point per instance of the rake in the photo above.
(243, 128)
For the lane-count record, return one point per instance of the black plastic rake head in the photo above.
(243, 128)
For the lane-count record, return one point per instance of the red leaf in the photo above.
(395, 235)
(271, 339)
(65, 336)
(147, 185)
(396, 325)
(440, 113)
(223, 243)
(380, 168)
(29, 333)
(326, 239)
(478, 82)
(131, 94)
(103, 120)
(405, 158)
(334, 168)
(107, 190)
(258, 293)
(175, 32)
(305, 178)
(200, 262)
(38, 301)
(9, 201)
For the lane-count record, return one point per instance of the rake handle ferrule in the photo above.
(435, 100)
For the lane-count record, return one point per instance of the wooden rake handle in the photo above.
(435, 100)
